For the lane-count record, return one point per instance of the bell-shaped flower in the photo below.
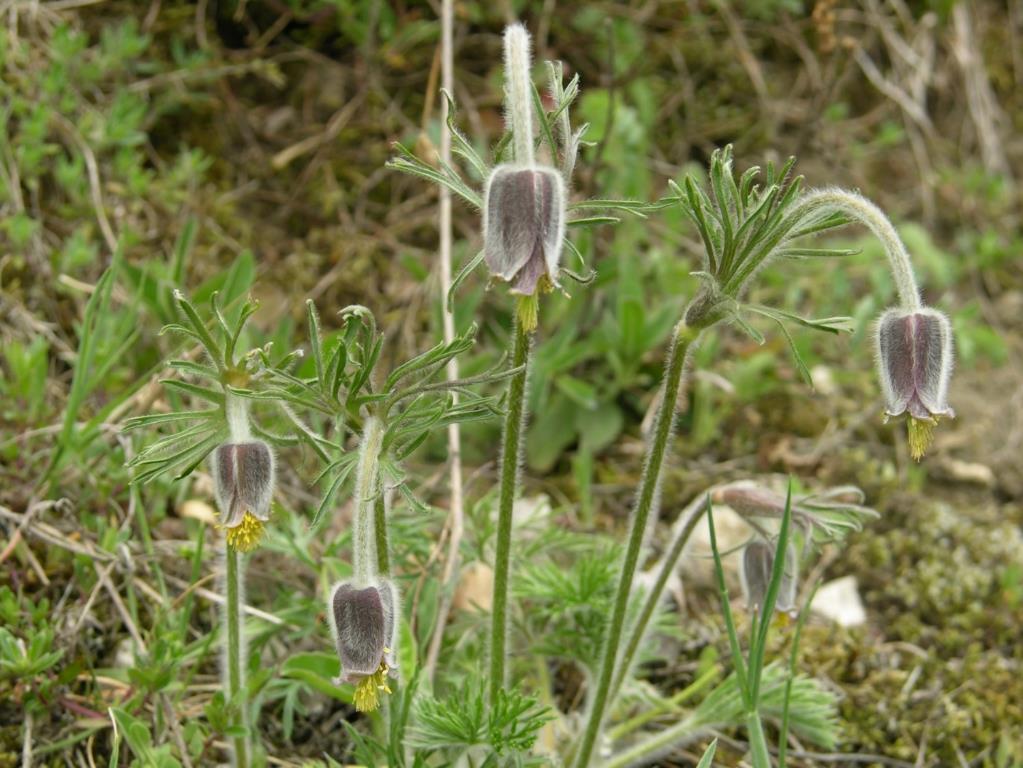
(243, 476)
(914, 358)
(523, 226)
(755, 573)
(365, 627)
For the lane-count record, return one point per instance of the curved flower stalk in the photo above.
(913, 342)
(744, 225)
(364, 611)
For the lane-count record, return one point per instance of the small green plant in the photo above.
(362, 421)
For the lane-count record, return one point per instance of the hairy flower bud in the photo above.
(524, 225)
(750, 500)
(755, 572)
(243, 475)
(914, 355)
(364, 622)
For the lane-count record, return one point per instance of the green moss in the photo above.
(941, 661)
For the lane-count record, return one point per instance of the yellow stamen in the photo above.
(245, 536)
(367, 690)
(529, 312)
(921, 432)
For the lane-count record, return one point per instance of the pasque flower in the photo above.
(524, 225)
(363, 619)
(523, 203)
(757, 564)
(914, 356)
(243, 475)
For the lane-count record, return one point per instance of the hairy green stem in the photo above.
(690, 517)
(511, 449)
(519, 92)
(645, 500)
(859, 208)
(235, 674)
(367, 525)
(380, 527)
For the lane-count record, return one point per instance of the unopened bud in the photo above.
(755, 572)
(750, 500)
(243, 475)
(524, 225)
(364, 622)
(914, 355)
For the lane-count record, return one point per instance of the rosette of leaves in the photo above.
(219, 369)
(345, 386)
(322, 409)
(745, 223)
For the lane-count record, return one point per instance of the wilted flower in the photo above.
(364, 623)
(524, 225)
(914, 354)
(243, 475)
(755, 572)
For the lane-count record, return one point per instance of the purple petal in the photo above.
(755, 571)
(523, 224)
(895, 353)
(243, 475)
(359, 621)
(934, 338)
(365, 626)
(915, 361)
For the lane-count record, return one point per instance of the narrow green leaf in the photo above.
(201, 332)
(726, 608)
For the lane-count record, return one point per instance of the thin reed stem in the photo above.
(511, 449)
(456, 513)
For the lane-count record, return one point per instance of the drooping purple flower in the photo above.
(755, 573)
(243, 478)
(914, 354)
(364, 622)
(524, 225)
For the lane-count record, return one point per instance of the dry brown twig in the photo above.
(456, 519)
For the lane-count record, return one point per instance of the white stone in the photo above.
(839, 601)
